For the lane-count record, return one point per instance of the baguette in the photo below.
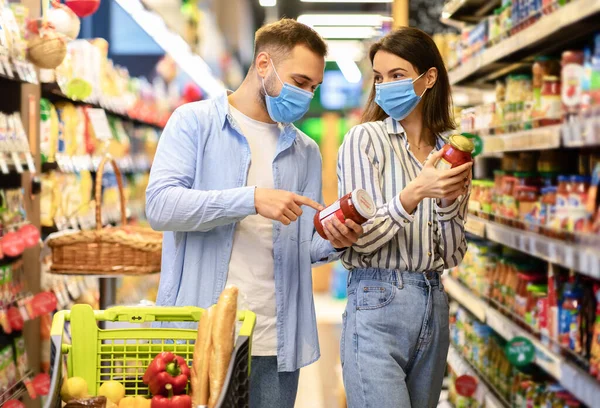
(223, 333)
(200, 363)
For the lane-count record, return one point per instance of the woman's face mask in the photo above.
(290, 105)
(398, 98)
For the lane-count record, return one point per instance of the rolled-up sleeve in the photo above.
(451, 220)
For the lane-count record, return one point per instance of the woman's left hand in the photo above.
(342, 235)
(446, 202)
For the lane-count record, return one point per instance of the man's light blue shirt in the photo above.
(197, 193)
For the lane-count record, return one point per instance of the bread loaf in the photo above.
(223, 333)
(201, 361)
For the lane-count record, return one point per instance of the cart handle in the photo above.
(150, 314)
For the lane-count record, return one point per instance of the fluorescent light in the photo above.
(192, 64)
(350, 70)
(370, 20)
(268, 3)
(347, 1)
(351, 49)
(346, 32)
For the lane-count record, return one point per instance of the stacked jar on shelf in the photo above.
(544, 193)
(557, 90)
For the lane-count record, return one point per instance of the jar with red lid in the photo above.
(551, 104)
(572, 76)
(357, 206)
(456, 152)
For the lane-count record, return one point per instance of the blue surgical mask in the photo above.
(290, 105)
(398, 98)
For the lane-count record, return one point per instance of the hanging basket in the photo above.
(64, 20)
(107, 251)
(47, 50)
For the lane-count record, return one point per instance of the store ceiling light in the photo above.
(268, 3)
(352, 49)
(349, 69)
(349, 32)
(359, 20)
(189, 62)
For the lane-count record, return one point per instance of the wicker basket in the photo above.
(107, 251)
(47, 50)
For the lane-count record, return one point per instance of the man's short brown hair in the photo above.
(281, 37)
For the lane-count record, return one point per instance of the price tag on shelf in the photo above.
(17, 162)
(3, 164)
(30, 162)
(7, 67)
(100, 124)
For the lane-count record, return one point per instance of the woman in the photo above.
(395, 334)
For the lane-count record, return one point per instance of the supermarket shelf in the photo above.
(575, 380)
(584, 259)
(551, 32)
(53, 92)
(542, 138)
(469, 11)
(484, 390)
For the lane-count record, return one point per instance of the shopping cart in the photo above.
(122, 354)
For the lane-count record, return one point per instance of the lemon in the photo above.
(112, 390)
(73, 388)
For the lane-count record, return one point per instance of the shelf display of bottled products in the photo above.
(556, 310)
(559, 100)
(476, 344)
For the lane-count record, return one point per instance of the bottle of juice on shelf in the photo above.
(569, 318)
(586, 84)
(572, 75)
(551, 109)
(595, 77)
(578, 196)
(562, 201)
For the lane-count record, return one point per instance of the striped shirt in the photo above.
(376, 156)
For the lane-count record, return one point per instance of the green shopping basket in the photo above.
(122, 354)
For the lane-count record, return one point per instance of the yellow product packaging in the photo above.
(69, 119)
(49, 199)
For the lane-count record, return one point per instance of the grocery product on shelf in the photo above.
(485, 352)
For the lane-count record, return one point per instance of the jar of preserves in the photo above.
(571, 75)
(510, 162)
(357, 206)
(509, 202)
(527, 161)
(527, 197)
(551, 104)
(456, 152)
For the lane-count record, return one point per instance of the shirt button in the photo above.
(429, 223)
(429, 253)
(406, 221)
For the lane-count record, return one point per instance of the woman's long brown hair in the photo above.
(416, 47)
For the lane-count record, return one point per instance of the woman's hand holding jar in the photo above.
(445, 185)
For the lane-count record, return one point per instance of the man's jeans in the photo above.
(269, 388)
(395, 339)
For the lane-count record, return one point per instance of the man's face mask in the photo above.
(290, 105)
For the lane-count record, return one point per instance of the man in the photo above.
(236, 187)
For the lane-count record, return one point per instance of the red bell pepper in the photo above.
(167, 369)
(171, 401)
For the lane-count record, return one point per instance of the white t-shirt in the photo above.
(251, 267)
